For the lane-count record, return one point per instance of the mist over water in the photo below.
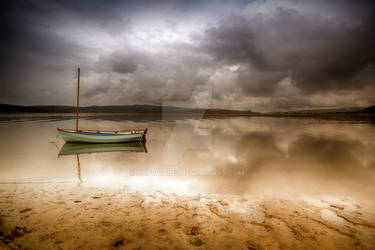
(244, 156)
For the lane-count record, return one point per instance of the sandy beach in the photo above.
(67, 216)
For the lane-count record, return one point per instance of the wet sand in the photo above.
(67, 216)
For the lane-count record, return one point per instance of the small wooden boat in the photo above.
(96, 136)
(92, 136)
(85, 148)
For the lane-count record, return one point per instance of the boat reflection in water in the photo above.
(87, 148)
(84, 148)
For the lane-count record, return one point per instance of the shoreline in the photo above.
(356, 117)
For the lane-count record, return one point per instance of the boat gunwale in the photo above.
(114, 133)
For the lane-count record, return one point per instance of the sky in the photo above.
(260, 55)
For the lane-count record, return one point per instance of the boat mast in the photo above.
(77, 115)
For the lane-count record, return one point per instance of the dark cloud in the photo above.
(143, 51)
(320, 53)
(34, 58)
(123, 61)
(259, 83)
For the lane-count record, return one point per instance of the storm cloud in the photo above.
(320, 53)
(259, 55)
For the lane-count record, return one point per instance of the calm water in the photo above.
(251, 156)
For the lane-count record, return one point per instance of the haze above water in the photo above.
(243, 155)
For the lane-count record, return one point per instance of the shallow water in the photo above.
(242, 156)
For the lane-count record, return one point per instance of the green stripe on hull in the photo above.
(81, 148)
(77, 137)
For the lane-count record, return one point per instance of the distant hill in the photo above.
(370, 109)
(336, 110)
(7, 108)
